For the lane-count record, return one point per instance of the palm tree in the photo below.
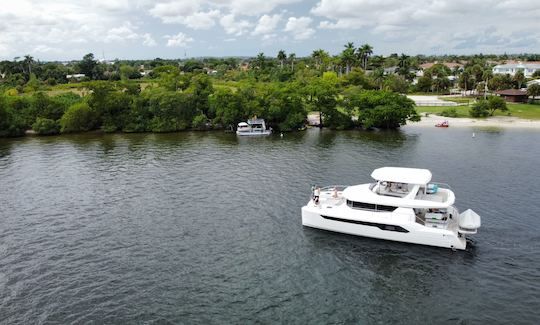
(292, 57)
(378, 77)
(348, 57)
(319, 56)
(404, 65)
(260, 60)
(28, 60)
(281, 57)
(365, 51)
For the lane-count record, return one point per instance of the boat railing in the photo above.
(442, 185)
(339, 188)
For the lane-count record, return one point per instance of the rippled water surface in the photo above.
(206, 228)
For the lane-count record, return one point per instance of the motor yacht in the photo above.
(255, 126)
(401, 205)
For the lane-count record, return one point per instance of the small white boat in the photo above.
(402, 205)
(253, 127)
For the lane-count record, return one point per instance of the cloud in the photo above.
(266, 25)
(233, 26)
(178, 40)
(122, 33)
(174, 12)
(255, 7)
(148, 40)
(300, 27)
(201, 20)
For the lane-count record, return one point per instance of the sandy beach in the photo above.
(495, 121)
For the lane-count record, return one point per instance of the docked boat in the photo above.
(443, 124)
(401, 205)
(253, 127)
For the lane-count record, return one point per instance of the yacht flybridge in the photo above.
(401, 205)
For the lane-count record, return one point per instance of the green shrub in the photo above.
(449, 112)
(479, 109)
(11, 124)
(79, 117)
(199, 122)
(45, 126)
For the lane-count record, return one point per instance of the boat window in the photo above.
(370, 206)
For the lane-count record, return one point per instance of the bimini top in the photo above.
(242, 124)
(402, 175)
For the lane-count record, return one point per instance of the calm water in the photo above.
(206, 228)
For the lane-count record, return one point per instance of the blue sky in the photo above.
(133, 29)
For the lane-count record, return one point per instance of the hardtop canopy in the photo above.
(256, 121)
(402, 175)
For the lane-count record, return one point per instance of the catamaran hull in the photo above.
(407, 232)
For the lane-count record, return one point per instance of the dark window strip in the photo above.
(370, 206)
(371, 224)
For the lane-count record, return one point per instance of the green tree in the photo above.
(425, 82)
(404, 66)
(45, 126)
(79, 117)
(199, 90)
(88, 65)
(479, 109)
(533, 90)
(228, 107)
(28, 61)
(281, 56)
(519, 78)
(364, 52)
(260, 61)
(323, 97)
(378, 77)
(382, 109)
(319, 56)
(466, 80)
(358, 77)
(500, 81)
(496, 103)
(348, 56)
(292, 58)
(199, 122)
(397, 84)
(11, 124)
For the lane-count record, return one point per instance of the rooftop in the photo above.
(511, 92)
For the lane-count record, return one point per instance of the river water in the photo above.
(206, 228)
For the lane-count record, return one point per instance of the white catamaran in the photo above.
(402, 205)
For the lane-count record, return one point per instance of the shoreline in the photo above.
(494, 121)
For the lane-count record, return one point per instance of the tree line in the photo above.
(175, 101)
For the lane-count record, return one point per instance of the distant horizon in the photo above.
(132, 29)
(21, 57)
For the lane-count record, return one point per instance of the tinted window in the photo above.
(370, 206)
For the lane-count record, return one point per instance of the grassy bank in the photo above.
(524, 111)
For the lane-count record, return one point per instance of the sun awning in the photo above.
(402, 175)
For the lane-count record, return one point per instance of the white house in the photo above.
(511, 69)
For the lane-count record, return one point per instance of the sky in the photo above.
(145, 29)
